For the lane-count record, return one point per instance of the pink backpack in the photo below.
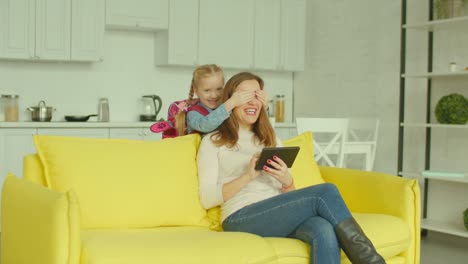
(168, 128)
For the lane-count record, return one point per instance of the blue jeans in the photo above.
(308, 214)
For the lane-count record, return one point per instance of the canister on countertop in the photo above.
(10, 107)
(279, 108)
(103, 110)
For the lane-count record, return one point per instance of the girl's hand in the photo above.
(280, 171)
(238, 98)
(263, 97)
(242, 97)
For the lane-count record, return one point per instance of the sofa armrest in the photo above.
(38, 225)
(380, 193)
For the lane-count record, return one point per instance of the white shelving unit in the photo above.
(435, 74)
(442, 227)
(441, 24)
(434, 125)
(434, 225)
(450, 226)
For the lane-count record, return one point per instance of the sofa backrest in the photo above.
(33, 169)
(125, 183)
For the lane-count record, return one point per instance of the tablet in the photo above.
(287, 154)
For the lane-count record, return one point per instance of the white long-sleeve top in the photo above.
(220, 165)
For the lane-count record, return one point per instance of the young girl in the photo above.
(205, 113)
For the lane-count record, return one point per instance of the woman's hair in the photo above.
(199, 73)
(228, 132)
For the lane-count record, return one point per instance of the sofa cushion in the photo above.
(304, 170)
(173, 245)
(126, 183)
(389, 234)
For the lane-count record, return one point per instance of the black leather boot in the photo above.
(355, 243)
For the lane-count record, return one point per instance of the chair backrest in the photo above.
(365, 130)
(337, 131)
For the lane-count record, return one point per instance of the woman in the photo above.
(266, 202)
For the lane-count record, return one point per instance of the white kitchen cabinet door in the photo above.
(179, 44)
(140, 133)
(75, 132)
(149, 15)
(267, 34)
(87, 30)
(53, 19)
(150, 136)
(293, 34)
(17, 29)
(285, 133)
(126, 133)
(226, 33)
(15, 143)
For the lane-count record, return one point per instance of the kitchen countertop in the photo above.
(94, 124)
(64, 124)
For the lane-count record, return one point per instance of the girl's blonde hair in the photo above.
(228, 132)
(201, 72)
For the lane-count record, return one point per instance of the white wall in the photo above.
(127, 72)
(352, 67)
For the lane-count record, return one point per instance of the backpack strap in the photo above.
(200, 109)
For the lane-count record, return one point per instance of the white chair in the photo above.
(362, 139)
(335, 128)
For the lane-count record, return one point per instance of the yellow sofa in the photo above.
(113, 201)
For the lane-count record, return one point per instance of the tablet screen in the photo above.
(287, 154)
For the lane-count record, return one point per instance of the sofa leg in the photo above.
(355, 243)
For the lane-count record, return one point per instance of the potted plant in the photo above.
(452, 109)
(449, 8)
(465, 218)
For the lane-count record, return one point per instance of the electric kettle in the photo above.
(151, 106)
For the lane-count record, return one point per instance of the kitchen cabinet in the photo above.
(254, 35)
(144, 15)
(267, 34)
(15, 143)
(179, 44)
(75, 132)
(279, 35)
(285, 130)
(87, 31)
(142, 133)
(443, 148)
(17, 29)
(53, 20)
(292, 35)
(226, 33)
(51, 29)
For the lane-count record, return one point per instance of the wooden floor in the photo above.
(437, 248)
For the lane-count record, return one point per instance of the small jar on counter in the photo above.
(279, 108)
(10, 107)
